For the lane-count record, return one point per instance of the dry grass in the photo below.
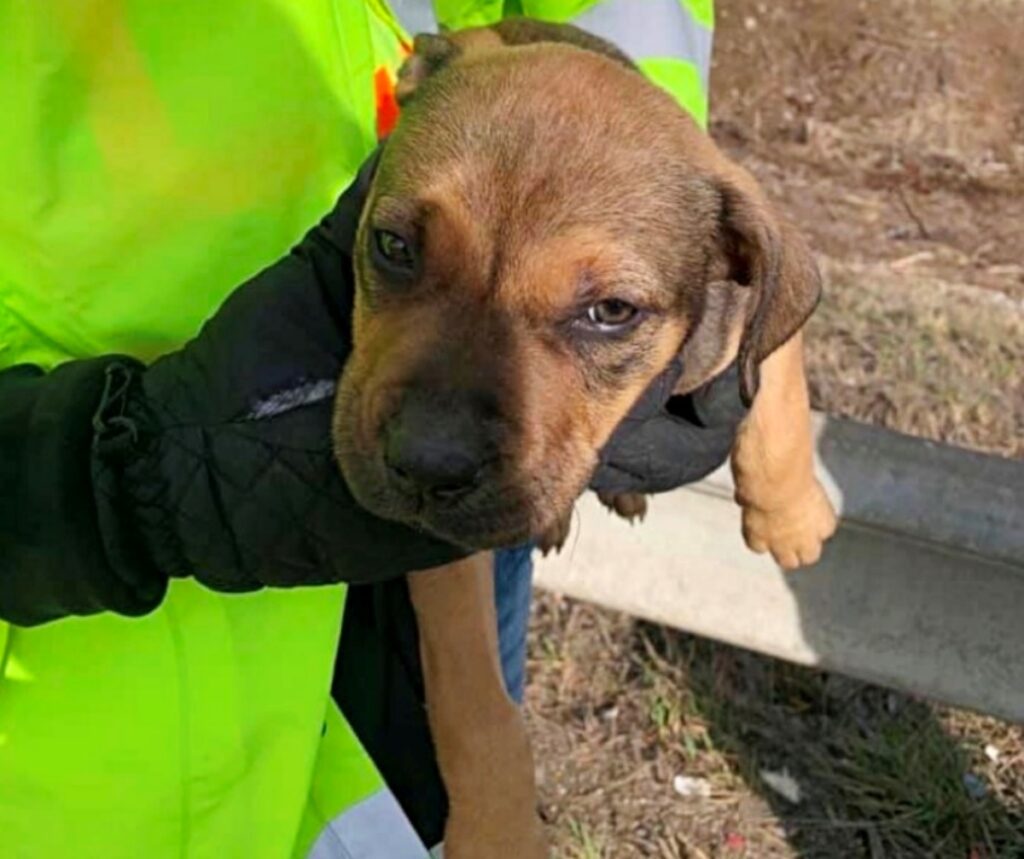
(920, 354)
(886, 128)
(893, 133)
(619, 708)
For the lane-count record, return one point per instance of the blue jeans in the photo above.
(513, 578)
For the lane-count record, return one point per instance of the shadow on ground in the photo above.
(879, 774)
(620, 709)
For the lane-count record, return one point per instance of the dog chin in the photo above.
(464, 527)
(498, 536)
(493, 524)
(467, 528)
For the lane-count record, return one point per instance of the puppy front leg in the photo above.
(482, 746)
(785, 509)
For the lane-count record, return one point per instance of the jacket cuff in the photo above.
(56, 530)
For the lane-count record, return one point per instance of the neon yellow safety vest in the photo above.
(153, 156)
(669, 39)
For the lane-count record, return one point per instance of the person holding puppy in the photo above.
(175, 538)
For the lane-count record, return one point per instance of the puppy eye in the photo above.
(611, 314)
(393, 248)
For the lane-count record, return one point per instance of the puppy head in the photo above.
(545, 231)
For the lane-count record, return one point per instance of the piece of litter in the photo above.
(975, 787)
(735, 841)
(686, 785)
(992, 753)
(783, 784)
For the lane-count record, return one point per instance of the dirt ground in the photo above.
(892, 132)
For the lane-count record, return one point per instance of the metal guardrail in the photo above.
(921, 589)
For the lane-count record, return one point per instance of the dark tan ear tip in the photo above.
(430, 53)
(435, 49)
(750, 381)
(422, 43)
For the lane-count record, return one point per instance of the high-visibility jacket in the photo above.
(670, 40)
(152, 157)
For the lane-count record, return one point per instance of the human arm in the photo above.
(213, 462)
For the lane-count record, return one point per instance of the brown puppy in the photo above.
(545, 231)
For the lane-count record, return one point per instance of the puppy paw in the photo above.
(555, 536)
(631, 506)
(795, 532)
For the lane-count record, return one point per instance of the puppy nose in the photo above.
(436, 447)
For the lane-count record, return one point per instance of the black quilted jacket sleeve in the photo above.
(54, 560)
(214, 462)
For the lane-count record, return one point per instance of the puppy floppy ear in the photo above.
(769, 257)
(430, 54)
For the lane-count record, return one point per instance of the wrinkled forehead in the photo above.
(540, 124)
(548, 149)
